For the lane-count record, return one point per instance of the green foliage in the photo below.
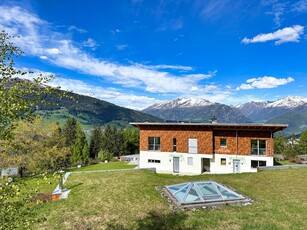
(292, 149)
(80, 154)
(36, 147)
(95, 141)
(279, 144)
(302, 144)
(131, 140)
(17, 97)
(112, 141)
(70, 131)
(104, 156)
(15, 212)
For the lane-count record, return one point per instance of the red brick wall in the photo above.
(205, 140)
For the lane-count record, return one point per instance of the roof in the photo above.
(213, 126)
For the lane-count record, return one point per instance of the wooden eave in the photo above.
(211, 126)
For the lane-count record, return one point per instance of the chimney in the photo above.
(214, 120)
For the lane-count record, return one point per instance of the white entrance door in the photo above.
(192, 145)
(236, 166)
(176, 164)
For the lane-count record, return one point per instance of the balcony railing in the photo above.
(258, 151)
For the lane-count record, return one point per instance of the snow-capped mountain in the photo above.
(181, 103)
(195, 110)
(264, 111)
(290, 110)
(289, 101)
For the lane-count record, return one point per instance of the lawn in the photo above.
(105, 166)
(129, 200)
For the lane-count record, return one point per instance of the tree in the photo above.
(70, 131)
(95, 142)
(36, 147)
(131, 140)
(302, 143)
(80, 153)
(279, 144)
(291, 150)
(112, 141)
(17, 97)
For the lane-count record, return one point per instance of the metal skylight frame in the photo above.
(201, 201)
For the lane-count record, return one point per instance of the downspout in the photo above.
(236, 143)
(271, 144)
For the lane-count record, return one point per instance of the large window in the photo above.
(193, 145)
(256, 164)
(258, 147)
(154, 143)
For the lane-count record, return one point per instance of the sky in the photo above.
(135, 53)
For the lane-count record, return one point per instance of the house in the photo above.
(195, 148)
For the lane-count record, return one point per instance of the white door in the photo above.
(176, 164)
(236, 166)
(192, 145)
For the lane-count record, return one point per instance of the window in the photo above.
(153, 161)
(223, 142)
(223, 161)
(190, 160)
(174, 144)
(256, 164)
(258, 147)
(154, 143)
(192, 145)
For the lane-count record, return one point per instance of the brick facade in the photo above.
(208, 140)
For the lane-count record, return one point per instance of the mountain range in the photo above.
(89, 111)
(196, 110)
(290, 110)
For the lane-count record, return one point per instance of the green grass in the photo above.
(129, 200)
(105, 166)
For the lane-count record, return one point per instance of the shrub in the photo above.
(104, 155)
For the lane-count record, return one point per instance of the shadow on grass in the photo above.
(276, 162)
(73, 186)
(155, 220)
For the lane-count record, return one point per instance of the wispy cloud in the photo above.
(278, 10)
(38, 39)
(121, 46)
(300, 6)
(288, 34)
(128, 100)
(265, 82)
(74, 28)
(90, 43)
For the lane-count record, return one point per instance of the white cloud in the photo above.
(300, 6)
(128, 100)
(53, 51)
(38, 39)
(91, 43)
(265, 82)
(80, 30)
(43, 57)
(112, 95)
(288, 34)
(121, 46)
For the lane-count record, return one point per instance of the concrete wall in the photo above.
(166, 162)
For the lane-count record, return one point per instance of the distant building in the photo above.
(195, 148)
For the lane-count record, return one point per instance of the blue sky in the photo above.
(135, 53)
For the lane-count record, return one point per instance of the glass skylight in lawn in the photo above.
(202, 192)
